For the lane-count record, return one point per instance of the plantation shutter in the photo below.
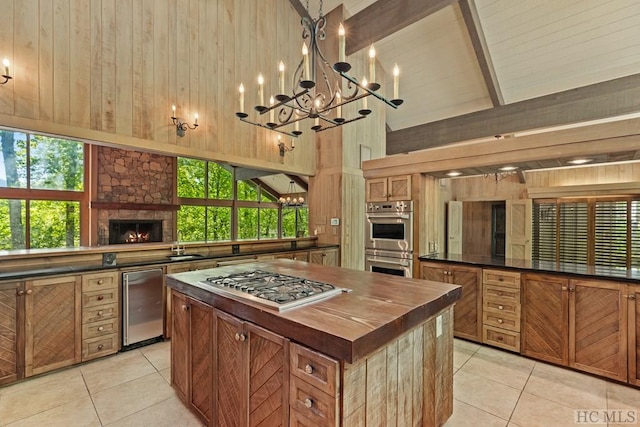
(544, 231)
(610, 236)
(574, 232)
(635, 233)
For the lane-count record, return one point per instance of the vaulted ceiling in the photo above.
(477, 68)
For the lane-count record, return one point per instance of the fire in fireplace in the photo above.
(135, 231)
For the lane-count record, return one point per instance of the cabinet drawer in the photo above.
(101, 297)
(103, 312)
(502, 320)
(510, 279)
(315, 368)
(500, 293)
(501, 306)
(99, 346)
(99, 281)
(502, 338)
(312, 405)
(100, 328)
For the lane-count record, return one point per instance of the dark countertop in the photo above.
(591, 271)
(87, 268)
(347, 326)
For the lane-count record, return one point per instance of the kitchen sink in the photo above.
(184, 257)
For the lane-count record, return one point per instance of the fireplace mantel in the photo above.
(135, 206)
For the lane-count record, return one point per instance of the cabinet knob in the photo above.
(100, 297)
(20, 293)
(101, 346)
(99, 313)
(308, 369)
(101, 328)
(632, 296)
(500, 321)
(564, 288)
(240, 337)
(100, 282)
(185, 307)
(500, 279)
(499, 338)
(500, 293)
(29, 291)
(572, 289)
(501, 307)
(308, 403)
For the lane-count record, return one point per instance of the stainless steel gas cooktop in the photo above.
(273, 290)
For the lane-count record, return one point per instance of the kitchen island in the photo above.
(379, 353)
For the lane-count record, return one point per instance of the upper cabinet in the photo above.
(388, 189)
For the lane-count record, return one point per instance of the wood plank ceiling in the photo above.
(473, 69)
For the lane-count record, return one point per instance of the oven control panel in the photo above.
(400, 206)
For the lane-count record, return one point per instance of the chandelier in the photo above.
(288, 201)
(317, 91)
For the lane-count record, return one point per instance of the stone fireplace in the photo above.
(135, 189)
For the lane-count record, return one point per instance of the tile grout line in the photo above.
(93, 403)
(521, 391)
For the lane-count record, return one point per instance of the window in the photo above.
(205, 192)
(41, 187)
(596, 231)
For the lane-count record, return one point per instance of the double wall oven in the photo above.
(389, 238)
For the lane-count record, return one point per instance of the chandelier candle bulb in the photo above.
(293, 143)
(261, 89)
(339, 108)
(372, 64)
(241, 89)
(196, 119)
(396, 81)
(281, 76)
(173, 111)
(364, 99)
(305, 59)
(341, 44)
(6, 64)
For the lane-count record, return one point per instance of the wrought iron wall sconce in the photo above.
(6, 75)
(283, 147)
(181, 127)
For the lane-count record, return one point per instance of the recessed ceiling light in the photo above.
(454, 173)
(508, 168)
(579, 161)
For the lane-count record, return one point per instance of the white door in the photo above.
(518, 222)
(454, 229)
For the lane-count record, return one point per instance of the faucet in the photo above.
(175, 247)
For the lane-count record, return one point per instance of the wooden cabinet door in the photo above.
(399, 188)
(200, 358)
(11, 332)
(545, 318)
(231, 377)
(467, 312)
(268, 359)
(434, 272)
(633, 326)
(53, 337)
(330, 257)
(180, 344)
(376, 190)
(597, 328)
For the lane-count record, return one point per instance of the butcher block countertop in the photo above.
(347, 326)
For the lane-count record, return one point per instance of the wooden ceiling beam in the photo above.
(299, 7)
(597, 101)
(476, 33)
(385, 17)
(266, 187)
(299, 181)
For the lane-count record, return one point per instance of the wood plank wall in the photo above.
(109, 71)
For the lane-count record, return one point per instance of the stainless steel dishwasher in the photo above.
(142, 307)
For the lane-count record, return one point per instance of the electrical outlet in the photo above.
(335, 221)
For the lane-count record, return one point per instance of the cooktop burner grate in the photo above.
(274, 290)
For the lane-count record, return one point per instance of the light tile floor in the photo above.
(491, 388)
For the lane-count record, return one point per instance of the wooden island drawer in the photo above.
(313, 406)
(102, 312)
(317, 369)
(99, 346)
(99, 281)
(510, 279)
(97, 329)
(502, 338)
(101, 297)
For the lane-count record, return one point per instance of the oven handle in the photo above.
(385, 215)
(400, 263)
